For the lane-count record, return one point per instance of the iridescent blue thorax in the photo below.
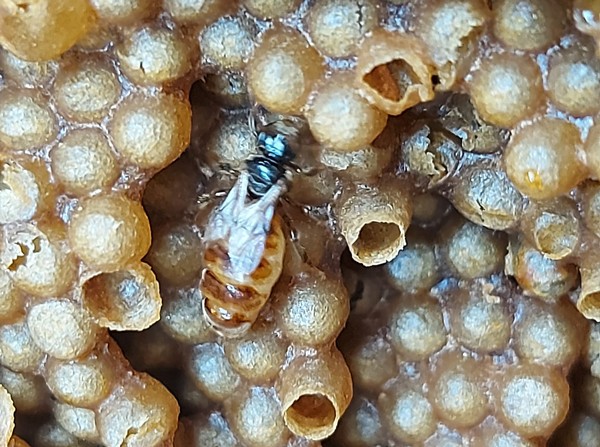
(270, 166)
(275, 147)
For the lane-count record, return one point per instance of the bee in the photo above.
(244, 243)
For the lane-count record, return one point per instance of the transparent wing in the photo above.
(243, 226)
(223, 219)
(247, 240)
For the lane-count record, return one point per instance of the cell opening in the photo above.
(556, 236)
(589, 305)
(312, 412)
(34, 246)
(376, 237)
(123, 300)
(113, 293)
(392, 80)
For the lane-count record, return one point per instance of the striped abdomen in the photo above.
(231, 307)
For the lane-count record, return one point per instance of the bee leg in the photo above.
(203, 198)
(295, 239)
(227, 170)
(290, 228)
(208, 196)
(306, 209)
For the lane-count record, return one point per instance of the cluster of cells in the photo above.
(438, 266)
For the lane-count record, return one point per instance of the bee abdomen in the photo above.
(232, 297)
(230, 306)
(229, 309)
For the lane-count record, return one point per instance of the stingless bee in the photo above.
(244, 243)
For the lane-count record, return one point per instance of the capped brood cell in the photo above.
(283, 70)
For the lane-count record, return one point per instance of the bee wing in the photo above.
(224, 219)
(246, 249)
(247, 242)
